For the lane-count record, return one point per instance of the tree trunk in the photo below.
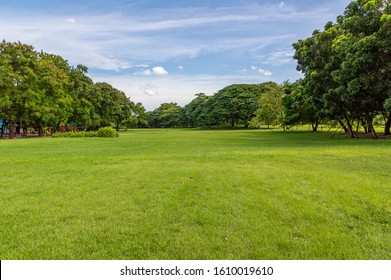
(315, 126)
(11, 130)
(39, 131)
(388, 126)
(350, 128)
(343, 126)
(365, 128)
(373, 132)
(371, 129)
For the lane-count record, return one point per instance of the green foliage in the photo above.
(167, 115)
(233, 105)
(195, 113)
(42, 90)
(107, 132)
(346, 66)
(387, 105)
(270, 110)
(20, 90)
(78, 134)
(236, 103)
(298, 105)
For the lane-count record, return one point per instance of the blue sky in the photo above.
(168, 51)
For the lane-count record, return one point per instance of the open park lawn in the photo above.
(196, 194)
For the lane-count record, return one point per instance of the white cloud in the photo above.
(115, 41)
(159, 71)
(119, 41)
(71, 20)
(150, 92)
(265, 73)
(149, 89)
(187, 22)
(278, 57)
(255, 69)
(94, 57)
(147, 72)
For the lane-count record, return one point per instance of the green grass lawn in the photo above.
(196, 194)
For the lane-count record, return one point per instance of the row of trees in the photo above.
(347, 81)
(243, 104)
(41, 90)
(347, 69)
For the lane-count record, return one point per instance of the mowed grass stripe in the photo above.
(196, 194)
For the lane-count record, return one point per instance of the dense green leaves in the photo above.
(237, 103)
(107, 132)
(233, 105)
(19, 83)
(347, 66)
(167, 115)
(270, 111)
(42, 90)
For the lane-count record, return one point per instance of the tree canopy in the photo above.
(347, 81)
(167, 115)
(236, 104)
(347, 67)
(41, 90)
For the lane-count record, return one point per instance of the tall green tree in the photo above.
(270, 111)
(84, 104)
(140, 114)
(105, 103)
(346, 66)
(55, 102)
(18, 82)
(236, 104)
(384, 44)
(193, 114)
(360, 76)
(123, 115)
(317, 61)
(167, 115)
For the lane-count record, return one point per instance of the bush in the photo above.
(108, 132)
(91, 134)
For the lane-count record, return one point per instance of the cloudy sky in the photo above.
(167, 51)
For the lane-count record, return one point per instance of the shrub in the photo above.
(108, 132)
(103, 132)
(91, 134)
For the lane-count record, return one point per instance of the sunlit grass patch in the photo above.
(196, 194)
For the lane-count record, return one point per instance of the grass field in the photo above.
(196, 194)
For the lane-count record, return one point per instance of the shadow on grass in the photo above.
(298, 139)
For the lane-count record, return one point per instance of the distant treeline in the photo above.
(235, 105)
(347, 83)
